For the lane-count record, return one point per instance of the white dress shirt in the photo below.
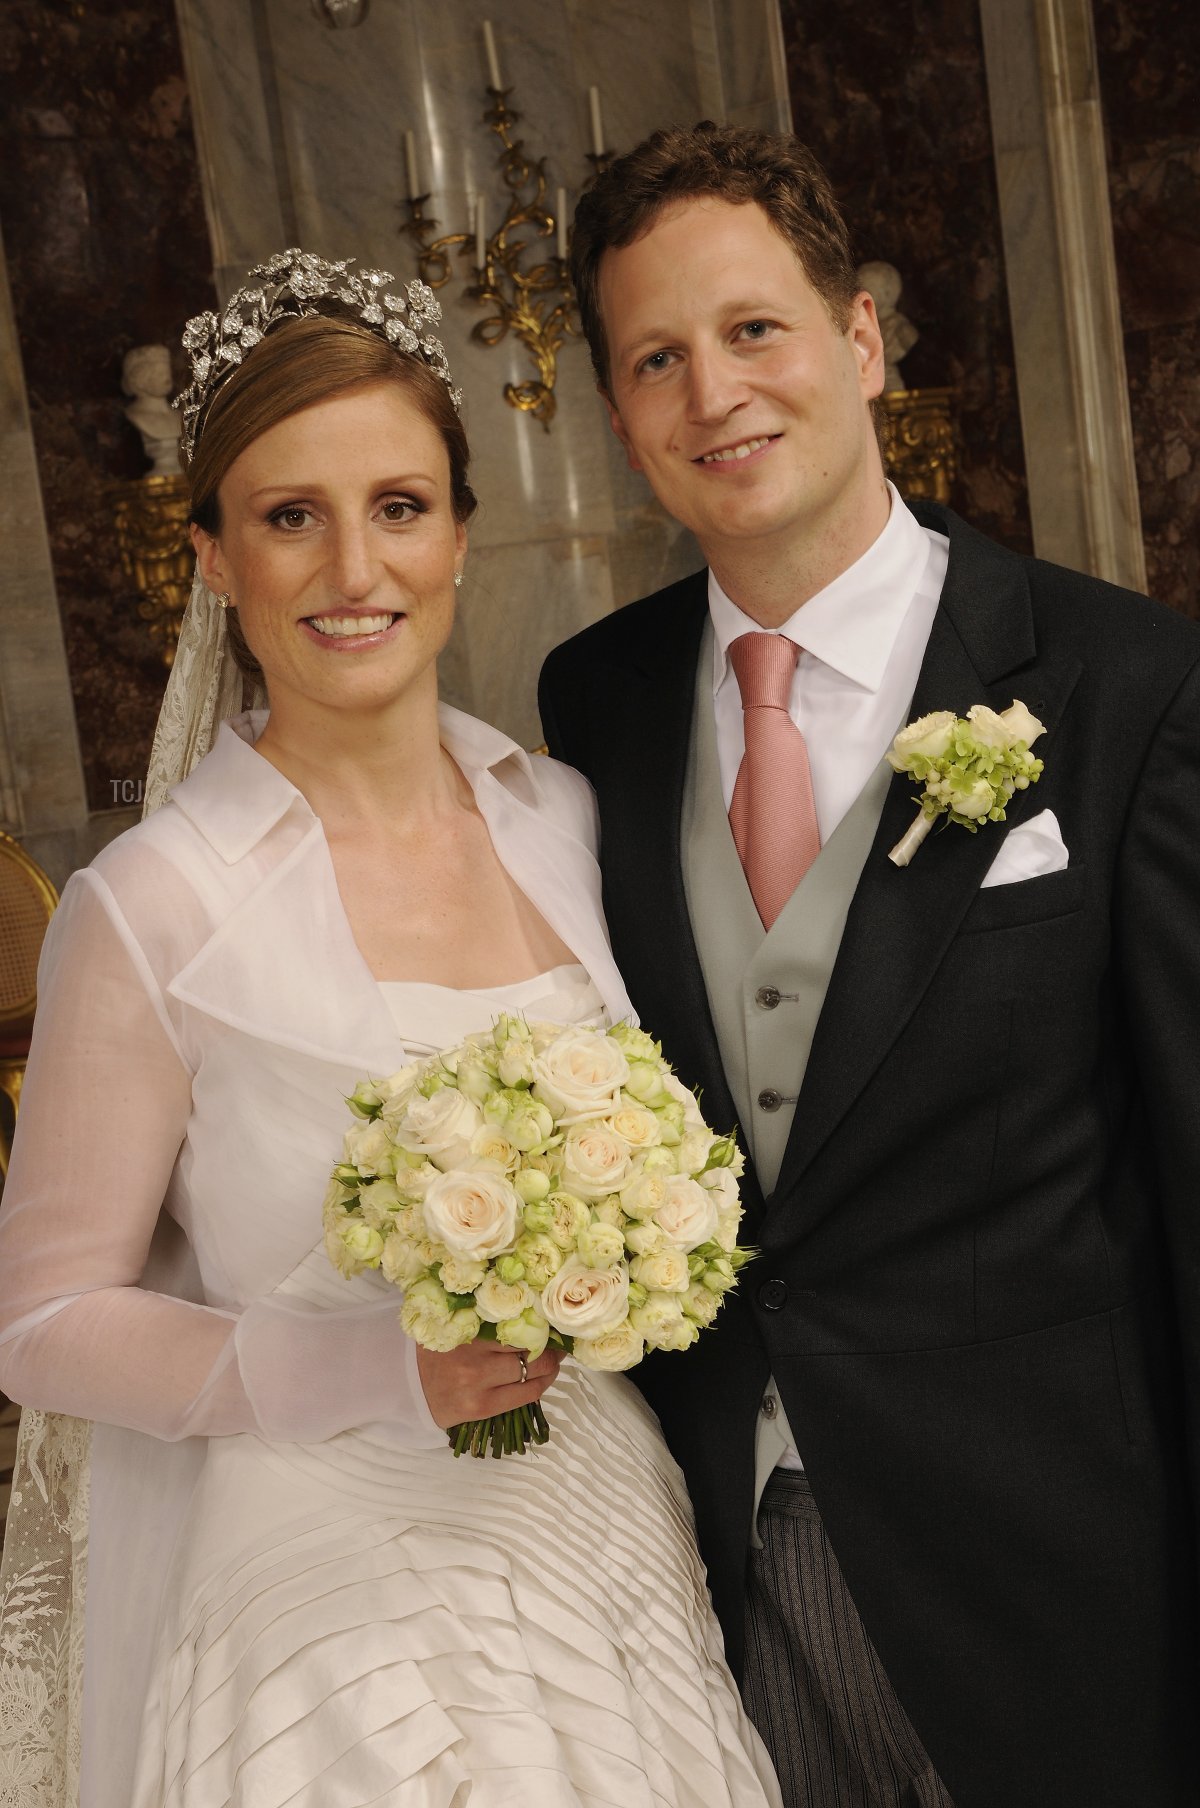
(862, 640)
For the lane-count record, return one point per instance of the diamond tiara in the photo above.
(294, 283)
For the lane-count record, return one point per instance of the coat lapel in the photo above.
(982, 649)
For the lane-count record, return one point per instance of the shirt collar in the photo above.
(235, 797)
(852, 624)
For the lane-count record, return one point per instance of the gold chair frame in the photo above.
(12, 1068)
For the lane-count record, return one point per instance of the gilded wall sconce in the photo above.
(526, 288)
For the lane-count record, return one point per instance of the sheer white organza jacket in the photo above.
(203, 1010)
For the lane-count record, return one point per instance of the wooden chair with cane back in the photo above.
(27, 901)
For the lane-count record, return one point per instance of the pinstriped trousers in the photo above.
(813, 1685)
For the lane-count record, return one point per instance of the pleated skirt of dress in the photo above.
(354, 1624)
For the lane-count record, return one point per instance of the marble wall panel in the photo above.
(1149, 63)
(517, 602)
(894, 102)
(107, 248)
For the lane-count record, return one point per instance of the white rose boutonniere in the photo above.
(968, 766)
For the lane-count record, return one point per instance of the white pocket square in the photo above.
(1033, 848)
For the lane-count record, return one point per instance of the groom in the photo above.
(960, 1380)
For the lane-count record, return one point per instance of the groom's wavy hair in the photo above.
(302, 362)
(728, 163)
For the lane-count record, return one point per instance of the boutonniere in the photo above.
(969, 767)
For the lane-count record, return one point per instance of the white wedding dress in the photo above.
(294, 1593)
(352, 1622)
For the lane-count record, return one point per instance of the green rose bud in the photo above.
(363, 1244)
(366, 1100)
(645, 1083)
(529, 1332)
(510, 1269)
(538, 1217)
(532, 1187)
(600, 1245)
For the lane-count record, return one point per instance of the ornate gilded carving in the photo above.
(156, 554)
(919, 442)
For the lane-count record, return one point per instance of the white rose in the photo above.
(401, 1262)
(440, 1128)
(976, 802)
(364, 1245)
(661, 1271)
(988, 727)
(460, 1275)
(642, 1196)
(601, 1245)
(662, 1323)
(722, 1184)
(368, 1147)
(688, 1215)
(472, 1214)
(636, 1126)
(379, 1202)
(729, 1222)
(596, 1161)
(427, 1317)
(540, 1256)
(490, 1144)
(693, 1117)
(568, 1216)
(622, 1348)
(700, 1304)
(928, 738)
(397, 1090)
(1021, 723)
(643, 1239)
(580, 1074)
(496, 1300)
(529, 1332)
(694, 1150)
(586, 1302)
(515, 1061)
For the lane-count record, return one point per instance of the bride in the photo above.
(295, 1593)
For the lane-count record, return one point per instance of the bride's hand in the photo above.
(481, 1380)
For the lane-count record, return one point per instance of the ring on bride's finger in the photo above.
(524, 1370)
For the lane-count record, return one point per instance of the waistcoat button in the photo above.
(772, 1295)
(767, 997)
(769, 1099)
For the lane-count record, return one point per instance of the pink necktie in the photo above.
(773, 818)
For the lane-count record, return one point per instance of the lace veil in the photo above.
(43, 1570)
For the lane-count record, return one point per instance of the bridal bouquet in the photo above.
(539, 1185)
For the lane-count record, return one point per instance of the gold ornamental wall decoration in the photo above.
(151, 516)
(527, 290)
(919, 446)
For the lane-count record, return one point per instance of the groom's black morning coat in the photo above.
(979, 1280)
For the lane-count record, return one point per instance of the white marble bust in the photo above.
(882, 283)
(146, 376)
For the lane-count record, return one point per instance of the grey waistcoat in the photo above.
(764, 1045)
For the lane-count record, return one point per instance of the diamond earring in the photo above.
(224, 599)
(458, 580)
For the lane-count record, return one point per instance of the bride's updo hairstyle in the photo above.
(299, 363)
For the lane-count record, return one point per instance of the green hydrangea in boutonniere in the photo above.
(969, 767)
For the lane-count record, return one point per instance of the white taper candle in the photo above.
(493, 61)
(480, 235)
(560, 212)
(597, 121)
